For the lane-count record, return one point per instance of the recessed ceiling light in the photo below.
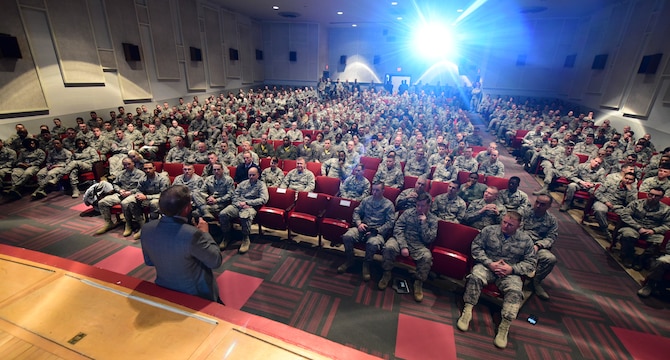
(394, 3)
(353, 25)
(275, 7)
(459, 10)
(399, 18)
(340, 13)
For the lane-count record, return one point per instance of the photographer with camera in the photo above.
(373, 220)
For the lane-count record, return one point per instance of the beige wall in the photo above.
(69, 71)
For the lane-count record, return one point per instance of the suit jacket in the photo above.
(242, 172)
(183, 256)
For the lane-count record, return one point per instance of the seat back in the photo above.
(498, 182)
(311, 202)
(173, 170)
(265, 163)
(391, 193)
(370, 162)
(232, 170)
(314, 167)
(288, 165)
(369, 174)
(455, 236)
(462, 177)
(438, 187)
(199, 168)
(327, 185)
(280, 198)
(582, 158)
(410, 181)
(341, 209)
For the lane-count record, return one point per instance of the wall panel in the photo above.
(195, 70)
(215, 53)
(645, 87)
(163, 39)
(247, 53)
(133, 77)
(231, 40)
(74, 42)
(259, 65)
(21, 90)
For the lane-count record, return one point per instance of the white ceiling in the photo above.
(366, 12)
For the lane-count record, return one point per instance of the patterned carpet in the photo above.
(593, 312)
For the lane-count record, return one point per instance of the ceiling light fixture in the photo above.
(340, 13)
(275, 7)
(354, 25)
(394, 3)
(459, 10)
(399, 18)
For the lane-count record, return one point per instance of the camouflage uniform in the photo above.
(272, 177)
(404, 201)
(452, 210)
(119, 150)
(220, 189)
(82, 161)
(125, 180)
(513, 201)
(479, 221)
(562, 166)
(517, 251)
(393, 178)
(583, 173)
(7, 159)
(354, 188)
(228, 158)
(495, 169)
(34, 159)
(375, 151)
(638, 215)
(653, 182)
(332, 168)
(469, 165)
(297, 181)
(544, 232)
(444, 174)
(255, 195)
(610, 191)
(378, 215)
(177, 155)
(152, 189)
(409, 232)
(195, 183)
(417, 168)
(472, 193)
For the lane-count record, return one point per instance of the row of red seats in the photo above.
(329, 217)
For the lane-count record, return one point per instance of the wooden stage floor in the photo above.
(53, 308)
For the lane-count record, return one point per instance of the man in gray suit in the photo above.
(183, 263)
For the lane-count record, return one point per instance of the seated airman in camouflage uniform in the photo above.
(414, 231)
(249, 195)
(502, 255)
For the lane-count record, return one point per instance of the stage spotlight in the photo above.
(434, 41)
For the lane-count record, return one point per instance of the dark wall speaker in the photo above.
(376, 60)
(649, 64)
(196, 54)
(343, 60)
(292, 56)
(131, 52)
(9, 47)
(233, 54)
(326, 74)
(599, 62)
(570, 61)
(259, 54)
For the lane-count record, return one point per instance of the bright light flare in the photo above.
(434, 41)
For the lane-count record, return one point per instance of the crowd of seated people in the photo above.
(287, 138)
